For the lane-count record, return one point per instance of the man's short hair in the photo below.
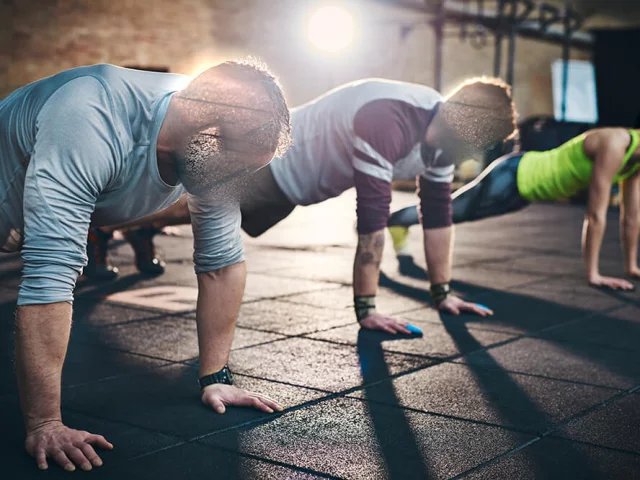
(243, 101)
(255, 71)
(480, 112)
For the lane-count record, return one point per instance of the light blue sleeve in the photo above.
(216, 233)
(73, 160)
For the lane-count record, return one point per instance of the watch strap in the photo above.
(223, 376)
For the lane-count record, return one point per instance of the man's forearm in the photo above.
(366, 265)
(438, 248)
(42, 337)
(219, 297)
(629, 233)
(592, 234)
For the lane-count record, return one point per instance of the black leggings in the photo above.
(494, 192)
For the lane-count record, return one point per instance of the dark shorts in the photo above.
(264, 205)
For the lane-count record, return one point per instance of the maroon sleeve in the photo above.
(373, 201)
(435, 203)
(386, 130)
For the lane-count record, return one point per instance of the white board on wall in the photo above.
(582, 105)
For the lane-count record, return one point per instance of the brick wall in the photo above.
(41, 37)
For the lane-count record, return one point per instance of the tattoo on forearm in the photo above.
(370, 249)
(367, 258)
(364, 241)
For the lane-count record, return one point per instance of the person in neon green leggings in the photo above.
(595, 160)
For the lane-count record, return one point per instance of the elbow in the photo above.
(436, 209)
(595, 218)
(216, 272)
(46, 283)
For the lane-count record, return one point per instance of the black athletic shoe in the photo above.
(141, 240)
(98, 267)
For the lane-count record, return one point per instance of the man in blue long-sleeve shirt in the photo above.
(103, 145)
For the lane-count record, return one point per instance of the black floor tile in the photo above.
(322, 365)
(388, 301)
(619, 329)
(517, 401)
(194, 460)
(89, 312)
(260, 285)
(514, 311)
(436, 341)
(561, 459)
(616, 425)
(351, 439)
(587, 364)
(128, 442)
(168, 400)
(291, 319)
(170, 338)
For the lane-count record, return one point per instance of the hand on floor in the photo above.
(382, 323)
(221, 396)
(610, 282)
(456, 305)
(68, 447)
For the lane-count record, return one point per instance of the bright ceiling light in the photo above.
(331, 28)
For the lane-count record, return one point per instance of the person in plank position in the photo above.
(104, 145)
(366, 134)
(595, 160)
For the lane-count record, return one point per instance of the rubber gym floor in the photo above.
(546, 388)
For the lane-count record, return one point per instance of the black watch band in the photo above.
(439, 292)
(223, 376)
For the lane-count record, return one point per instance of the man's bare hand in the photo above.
(610, 282)
(68, 447)
(220, 396)
(376, 321)
(456, 305)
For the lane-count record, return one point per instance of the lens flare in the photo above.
(331, 28)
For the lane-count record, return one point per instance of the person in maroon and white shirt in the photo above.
(366, 134)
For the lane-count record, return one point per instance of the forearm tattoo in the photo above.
(370, 248)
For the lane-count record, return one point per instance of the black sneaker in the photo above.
(141, 240)
(98, 267)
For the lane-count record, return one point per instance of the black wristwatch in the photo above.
(223, 376)
(439, 292)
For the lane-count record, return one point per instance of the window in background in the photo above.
(581, 103)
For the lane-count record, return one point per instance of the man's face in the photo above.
(210, 161)
(446, 153)
(442, 148)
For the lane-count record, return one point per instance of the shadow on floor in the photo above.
(508, 387)
(404, 460)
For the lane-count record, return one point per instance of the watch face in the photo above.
(223, 376)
